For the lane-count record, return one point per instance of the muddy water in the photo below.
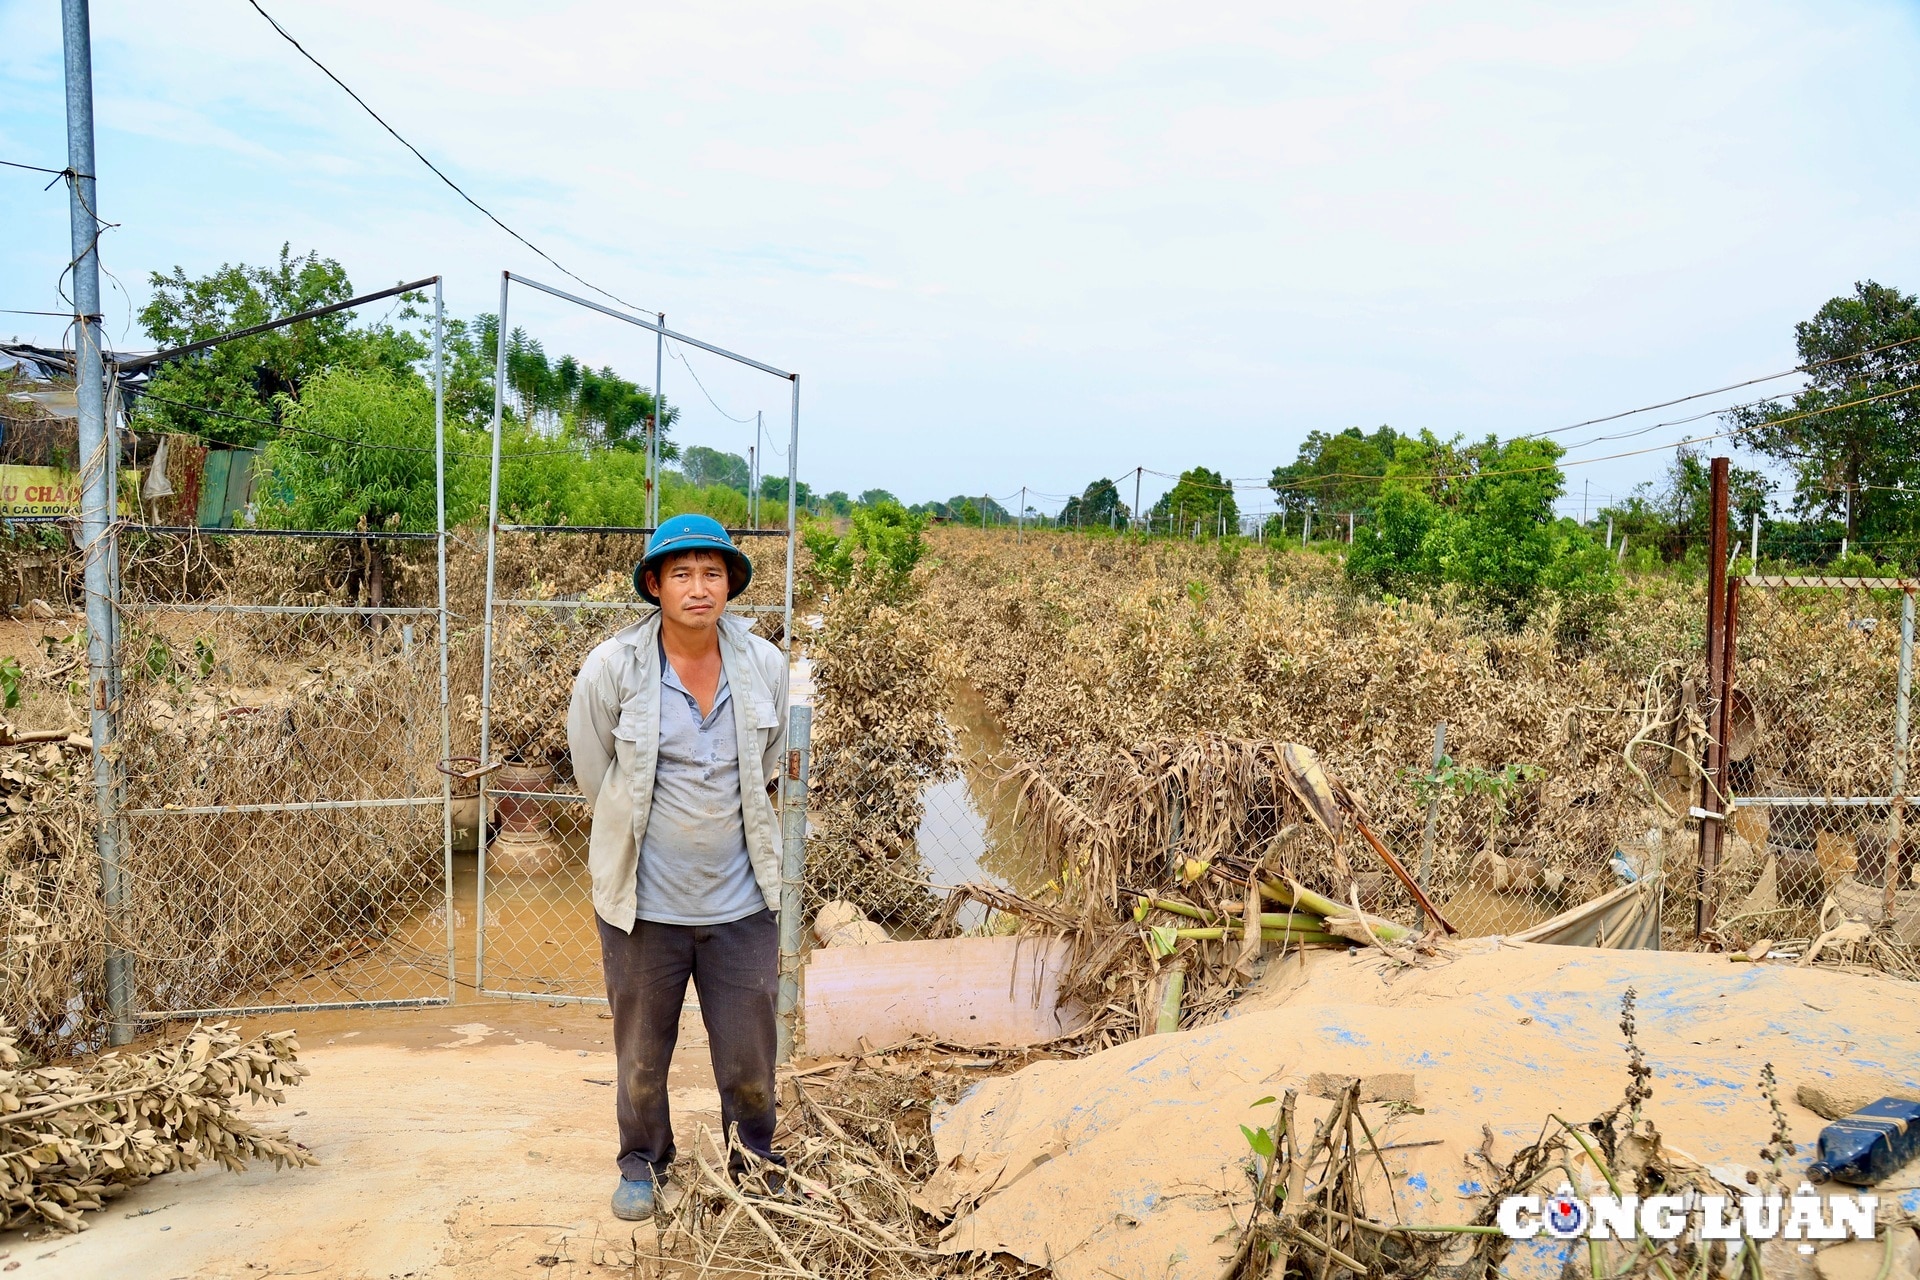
(972, 829)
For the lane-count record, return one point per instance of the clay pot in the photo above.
(524, 843)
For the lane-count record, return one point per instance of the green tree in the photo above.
(704, 466)
(1335, 473)
(1099, 507)
(598, 405)
(358, 453)
(1859, 464)
(1479, 518)
(874, 497)
(1199, 495)
(1673, 515)
(878, 552)
(245, 380)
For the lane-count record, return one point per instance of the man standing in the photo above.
(676, 727)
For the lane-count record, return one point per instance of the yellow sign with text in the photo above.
(51, 491)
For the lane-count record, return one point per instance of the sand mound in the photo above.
(1131, 1161)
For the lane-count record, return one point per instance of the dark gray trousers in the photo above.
(736, 971)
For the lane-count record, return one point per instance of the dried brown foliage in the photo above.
(72, 1138)
(1138, 685)
(879, 740)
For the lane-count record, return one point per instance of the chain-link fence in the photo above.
(558, 594)
(1785, 857)
(281, 818)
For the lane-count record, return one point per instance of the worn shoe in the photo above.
(633, 1201)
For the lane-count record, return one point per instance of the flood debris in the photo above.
(72, 1138)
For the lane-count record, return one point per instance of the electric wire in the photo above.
(703, 387)
(457, 189)
(57, 173)
(1733, 386)
(1238, 485)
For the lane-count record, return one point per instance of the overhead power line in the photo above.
(1238, 485)
(488, 213)
(1732, 386)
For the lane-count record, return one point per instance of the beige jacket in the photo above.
(613, 731)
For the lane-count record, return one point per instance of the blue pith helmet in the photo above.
(692, 533)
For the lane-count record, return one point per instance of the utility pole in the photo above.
(1020, 525)
(1756, 542)
(753, 488)
(659, 421)
(1349, 528)
(1585, 486)
(1136, 497)
(1846, 528)
(98, 463)
(1609, 533)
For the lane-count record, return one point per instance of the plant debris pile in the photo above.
(858, 1146)
(73, 1138)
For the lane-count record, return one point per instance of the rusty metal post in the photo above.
(1711, 811)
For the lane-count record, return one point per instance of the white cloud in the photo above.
(1007, 242)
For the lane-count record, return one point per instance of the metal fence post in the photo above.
(1433, 806)
(1891, 876)
(446, 687)
(97, 461)
(486, 641)
(793, 867)
(1713, 806)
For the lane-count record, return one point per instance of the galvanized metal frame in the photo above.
(495, 527)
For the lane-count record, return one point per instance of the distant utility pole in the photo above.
(98, 543)
(1756, 542)
(1846, 527)
(753, 488)
(1136, 497)
(1349, 528)
(1020, 527)
(1609, 533)
(1585, 485)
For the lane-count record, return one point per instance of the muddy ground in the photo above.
(475, 1140)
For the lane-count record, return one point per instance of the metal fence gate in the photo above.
(281, 819)
(552, 594)
(274, 827)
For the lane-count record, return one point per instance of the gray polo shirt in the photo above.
(694, 868)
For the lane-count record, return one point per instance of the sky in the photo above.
(1008, 244)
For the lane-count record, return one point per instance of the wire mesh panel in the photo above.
(1786, 857)
(282, 816)
(558, 594)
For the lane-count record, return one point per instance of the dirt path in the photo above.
(473, 1141)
